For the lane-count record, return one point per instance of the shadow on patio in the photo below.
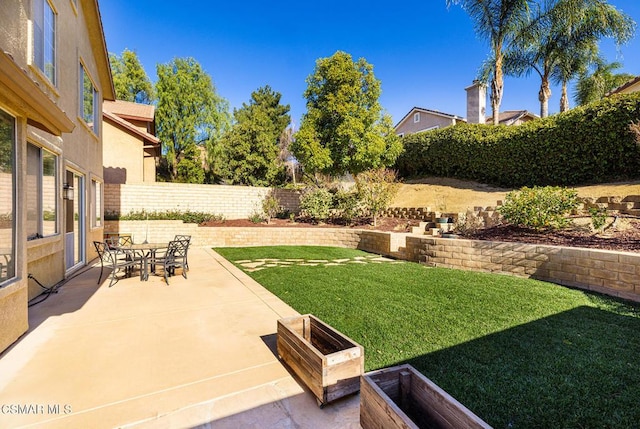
(147, 354)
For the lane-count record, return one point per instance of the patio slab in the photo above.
(199, 352)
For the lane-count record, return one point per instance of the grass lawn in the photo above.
(519, 353)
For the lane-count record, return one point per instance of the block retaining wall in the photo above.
(612, 273)
(232, 202)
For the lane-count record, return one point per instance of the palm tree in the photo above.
(498, 21)
(562, 39)
(593, 86)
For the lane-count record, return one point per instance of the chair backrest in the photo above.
(101, 247)
(125, 240)
(106, 255)
(178, 248)
(187, 238)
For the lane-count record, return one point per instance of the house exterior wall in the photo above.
(123, 155)
(78, 40)
(427, 120)
(631, 88)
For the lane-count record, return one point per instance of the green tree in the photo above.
(498, 21)
(560, 37)
(251, 148)
(377, 188)
(129, 78)
(593, 86)
(344, 129)
(190, 113)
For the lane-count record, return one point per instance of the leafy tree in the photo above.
(344, 129)
(593, 86)
(498, 21)
(189, 113)
(129, 78)
(560, 37)
(251, 148)
(377, 188)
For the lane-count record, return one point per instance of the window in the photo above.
(7, 202)
(42, 194)
(89, 109)
(44, 38)
(416, 117)
(96, 189)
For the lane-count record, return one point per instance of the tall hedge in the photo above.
(588, 144)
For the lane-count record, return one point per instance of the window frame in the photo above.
(97, 201)
(45, 35)
(41, 189)
(94, 126)
(9, 259)
(416, 117)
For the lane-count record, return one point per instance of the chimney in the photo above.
(476, 102)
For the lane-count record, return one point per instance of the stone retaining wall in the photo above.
(612, 273)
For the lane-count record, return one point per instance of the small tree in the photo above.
(344, 129)
(271, 206)
(377, 189)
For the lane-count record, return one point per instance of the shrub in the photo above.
(316, 203)
(377, 189)
(187, 216)
(538, 207)
(348, 205)
(598, 217)
(595, 143)
(271, 207)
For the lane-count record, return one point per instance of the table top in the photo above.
(145, 246)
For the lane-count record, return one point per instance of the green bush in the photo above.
(271, 207)
(186, 216)
(595, 143)
(348, 205)
(316, 203)
(538, 207)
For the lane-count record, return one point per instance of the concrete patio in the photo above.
(199, 352)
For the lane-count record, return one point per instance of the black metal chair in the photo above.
(175, 257)
(116, 260)
(187, 239)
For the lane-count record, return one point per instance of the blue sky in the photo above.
(423, 53)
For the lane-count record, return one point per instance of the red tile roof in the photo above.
(129, 110)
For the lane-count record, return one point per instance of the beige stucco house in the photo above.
(628, 87)
(54, 75)
(131, 150)
(419, 119)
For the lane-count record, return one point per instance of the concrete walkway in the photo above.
(198, 352)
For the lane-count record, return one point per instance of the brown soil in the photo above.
(626, 238)
(383, 224)
(452, 195)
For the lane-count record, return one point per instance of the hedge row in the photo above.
(588, 144)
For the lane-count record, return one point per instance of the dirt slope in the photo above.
(452, 195)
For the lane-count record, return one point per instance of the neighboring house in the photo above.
(54, 75)
(131, 150)
(513, 117)
(419, 120)
(628, 87)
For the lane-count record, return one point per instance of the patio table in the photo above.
(146, 251)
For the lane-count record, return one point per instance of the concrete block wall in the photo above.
(612, 273)
(232, 202)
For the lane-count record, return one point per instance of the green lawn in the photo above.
(520, 353)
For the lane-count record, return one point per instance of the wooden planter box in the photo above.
(401, 397)
(327, 362)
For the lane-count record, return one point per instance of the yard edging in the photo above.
(604, 271)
